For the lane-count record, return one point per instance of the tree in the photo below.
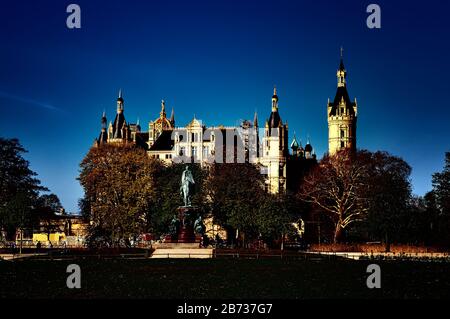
(233, 192)
(119, 181)
(275, 216)
(389, 195)
(441, 187)
(45, 214)
(236, 198)
(337, 186)
(441, 194)
(51, 201)
(19, 187)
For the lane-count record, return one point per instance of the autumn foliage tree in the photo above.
(118, 181)
(337, 186)
(362, 188)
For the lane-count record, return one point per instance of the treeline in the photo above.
(367, 197)
(349, 197)
(23, 200)
(127, 193)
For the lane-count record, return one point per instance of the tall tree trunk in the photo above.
(337, 233)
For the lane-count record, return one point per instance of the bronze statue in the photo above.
(187, 180)
(199, 227)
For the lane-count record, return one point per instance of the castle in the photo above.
(196, 142)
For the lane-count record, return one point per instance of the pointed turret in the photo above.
(341, 72)
(294, 145)
(255, 120)
(120, 102)
(103, 138)
(275, 119)
(308, 148)
(138, 125)
(274, 100)
(172, 118)
(119, 121)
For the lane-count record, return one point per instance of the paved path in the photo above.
(18, 256)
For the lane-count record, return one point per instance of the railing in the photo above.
(311, 256)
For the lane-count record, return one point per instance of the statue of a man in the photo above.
(174, 223)
(199, 227)
(185, 190)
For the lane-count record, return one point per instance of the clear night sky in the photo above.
(219, 60)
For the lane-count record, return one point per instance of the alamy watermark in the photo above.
(74, 279)
(374, 279)
(73, 21)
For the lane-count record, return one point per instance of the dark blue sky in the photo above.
(219, 60)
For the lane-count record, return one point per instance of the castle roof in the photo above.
(164, 142)
(275, 119)
(342, 95)
(119, 122)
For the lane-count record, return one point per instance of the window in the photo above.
(342, 133)
(182, 151)
(205, 151)
(342, 144)
(342, 110)
(194, 151)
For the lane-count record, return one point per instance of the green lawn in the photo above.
(223, 278)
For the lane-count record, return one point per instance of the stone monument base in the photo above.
(186, 215)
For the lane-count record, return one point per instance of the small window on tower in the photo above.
(342, 110)
(342, 133)
(342, 144)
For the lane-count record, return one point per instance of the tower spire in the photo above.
(104, 121)
(255, 120)
(274, 100)
(172, 117)
(341, 72)
(120, 102)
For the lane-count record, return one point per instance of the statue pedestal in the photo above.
(186, 216)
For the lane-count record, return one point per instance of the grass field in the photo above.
(222, 278)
